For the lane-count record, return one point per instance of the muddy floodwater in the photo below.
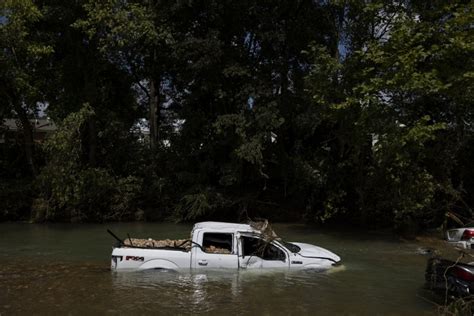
(64, 269)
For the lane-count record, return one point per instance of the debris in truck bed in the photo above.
(170, 243)
(151, 243)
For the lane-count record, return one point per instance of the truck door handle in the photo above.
(202, 262)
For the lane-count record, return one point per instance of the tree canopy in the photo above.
(328, 111)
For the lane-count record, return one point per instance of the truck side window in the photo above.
(257, 247)
(217, 243)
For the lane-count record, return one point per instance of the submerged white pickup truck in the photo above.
(216, 245)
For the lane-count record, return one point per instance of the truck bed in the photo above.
(179, 244)
(168, 244)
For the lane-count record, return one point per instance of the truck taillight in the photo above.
(467, 234)
(463, 274)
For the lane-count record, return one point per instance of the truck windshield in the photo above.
(291, 247)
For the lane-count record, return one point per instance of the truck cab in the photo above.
(242, 246)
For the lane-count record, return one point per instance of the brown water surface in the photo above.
(64, 269)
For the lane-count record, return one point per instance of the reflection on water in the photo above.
(72, 277)
(215, 290)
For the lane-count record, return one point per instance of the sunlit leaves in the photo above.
(401, 92)
(21, 51)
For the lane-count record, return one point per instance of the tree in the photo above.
(73, 191)
(395, 97)
(134, 36)
(23, 60)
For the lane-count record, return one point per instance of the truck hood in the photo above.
(312, 251)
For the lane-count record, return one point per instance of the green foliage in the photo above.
(199, 205)
(342, 111)
(254, 131)
(64, 147)
(459, 307)
(74, 191)
(389, 105)
(16, 199)
(22, 53)
(121, 23)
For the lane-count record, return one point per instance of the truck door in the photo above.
(256, 253)
(218, 251)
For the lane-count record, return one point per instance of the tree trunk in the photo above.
(154, 112)
(28, 141)
(92, 142)
(91, 96)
